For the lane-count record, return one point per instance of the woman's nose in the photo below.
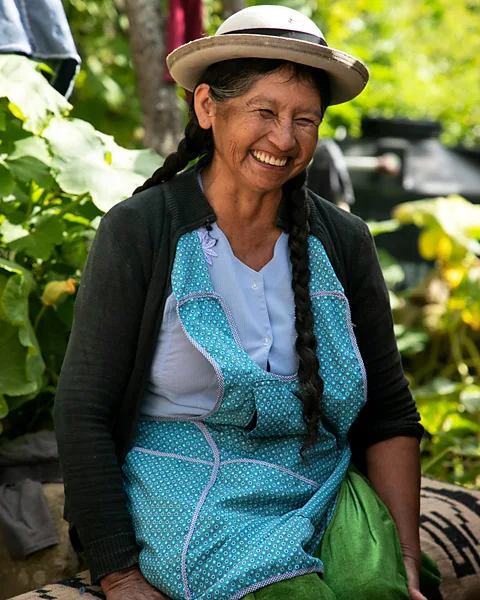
(282, 136)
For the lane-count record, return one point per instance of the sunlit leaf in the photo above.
(453, 214)
(30, 161)
(378, 227)
(32, 98)
(470, 398)
(79, 155)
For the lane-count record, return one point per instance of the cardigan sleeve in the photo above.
(95, 373)
(390, 409)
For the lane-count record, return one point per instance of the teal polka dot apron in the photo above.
(224, 504)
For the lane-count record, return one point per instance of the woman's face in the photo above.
(268, 135)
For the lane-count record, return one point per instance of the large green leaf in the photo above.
(88, 162)
(32, 98)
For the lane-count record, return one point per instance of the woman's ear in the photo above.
(204, 106)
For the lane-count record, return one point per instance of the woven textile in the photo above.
(76, 588)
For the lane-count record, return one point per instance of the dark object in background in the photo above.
(426, 169)
(25, 464)
(39, 29)
(331, 179)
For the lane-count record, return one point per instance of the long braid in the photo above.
(311, 383)
(197, 142)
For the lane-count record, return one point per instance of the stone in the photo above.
(51, 564)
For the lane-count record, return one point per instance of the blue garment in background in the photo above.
(39, 29)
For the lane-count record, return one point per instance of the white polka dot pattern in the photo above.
(220, 509)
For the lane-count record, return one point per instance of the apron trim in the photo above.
(192, 295)
(226, 310)
(353, 338)
(210, 484)
(272, 466)
(172, 455)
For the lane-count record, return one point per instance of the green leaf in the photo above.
(3, 407)
(11, 232)
(13, 357)
(79, 156)
(392, 271)
(454, 215)
(410, 341)
(378, 227)
(21, 363)
(41, 242)
(30, 160)
(437, 388)
(12, 267)
(6, 180)
(15, 402)
(32, 98)
(470, 398)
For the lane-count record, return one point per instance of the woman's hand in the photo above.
(413, 569)
(129, 584)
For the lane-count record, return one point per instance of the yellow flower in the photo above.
(54, 289)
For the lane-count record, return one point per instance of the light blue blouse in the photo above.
(182, 381)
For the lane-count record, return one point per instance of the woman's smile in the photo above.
(269, 160)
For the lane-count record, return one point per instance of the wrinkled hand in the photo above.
(129, 584)
(413, 570)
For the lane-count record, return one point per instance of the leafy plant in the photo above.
(438, 332)
(58, 175)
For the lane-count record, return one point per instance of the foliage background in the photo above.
(55, 166)
(423, 55)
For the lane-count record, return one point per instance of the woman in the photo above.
(215, 360)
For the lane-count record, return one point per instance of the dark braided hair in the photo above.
(231, 79)
(311, 383)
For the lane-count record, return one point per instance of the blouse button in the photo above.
(254, 285)
(266, 341)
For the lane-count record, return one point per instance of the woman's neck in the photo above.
(247, 219)
(235, 205)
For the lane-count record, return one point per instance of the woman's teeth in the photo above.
(268, 159)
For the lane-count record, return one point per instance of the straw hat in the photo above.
(275, 32)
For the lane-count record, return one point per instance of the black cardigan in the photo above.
(118, 314)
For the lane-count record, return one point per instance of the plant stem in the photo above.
(437, 459)
(448, 370)
(71, 205)
(40, 314)
(473, 351)
(457, 355)
(431, 363)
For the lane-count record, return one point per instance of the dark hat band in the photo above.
(293, 35)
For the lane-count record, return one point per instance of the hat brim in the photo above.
(348, 75)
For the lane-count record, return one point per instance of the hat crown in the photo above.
(269, 17)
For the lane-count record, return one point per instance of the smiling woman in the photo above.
(233, 355)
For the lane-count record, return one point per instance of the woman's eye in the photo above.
(265, 112)
(306, 122)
